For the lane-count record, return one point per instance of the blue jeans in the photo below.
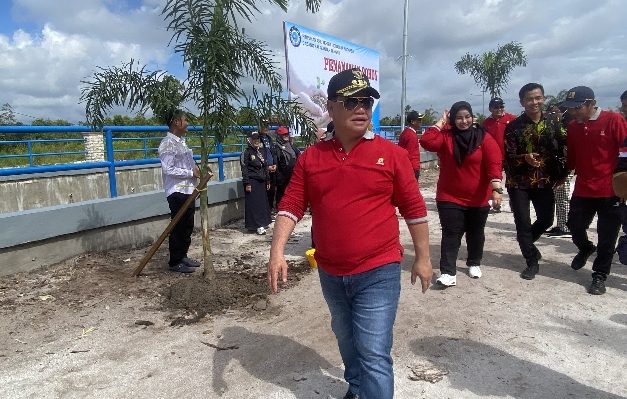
(363, 309)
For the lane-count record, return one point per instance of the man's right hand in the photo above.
(196, 172)
(422, 269)
(276, 265)
(248, 188)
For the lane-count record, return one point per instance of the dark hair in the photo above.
(455, 108)
(623, 96)
(330, 127)
(175, 115)
(413, 116)
(529, 87)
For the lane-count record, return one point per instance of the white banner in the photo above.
(313, 58)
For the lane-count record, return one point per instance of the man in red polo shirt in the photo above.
(495, 125)
(354, 181)
(409, 139)
(594, 138)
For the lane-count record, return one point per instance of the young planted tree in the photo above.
(491, 69)
(217, 54)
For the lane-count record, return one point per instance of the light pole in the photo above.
(482, 100)
(404, 68)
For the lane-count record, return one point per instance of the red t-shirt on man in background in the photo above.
(496, 128)
(409, 141)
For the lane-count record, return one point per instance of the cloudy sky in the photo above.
(47, 47)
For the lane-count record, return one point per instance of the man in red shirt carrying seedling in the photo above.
(353, 182)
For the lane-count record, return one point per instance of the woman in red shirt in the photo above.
(470, 175)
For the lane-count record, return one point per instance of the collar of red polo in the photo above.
(596, 114)
(369, 135)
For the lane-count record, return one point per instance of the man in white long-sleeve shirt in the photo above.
(180, 175)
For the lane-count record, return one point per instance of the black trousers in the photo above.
(455, 221)
(281, 184)
(181, 236)
(582, 211)
(527, 234)
(272, 191)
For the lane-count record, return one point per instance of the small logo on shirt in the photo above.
(602, 132)
(252, 157)
(380, 161)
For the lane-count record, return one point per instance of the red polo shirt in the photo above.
(496, 127)
(409, 141)
(468, 184)
(353, 199)
(592, 149)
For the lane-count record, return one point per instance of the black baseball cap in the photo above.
(349, 82)
(496, 101)
(414, 115)
(577, 96)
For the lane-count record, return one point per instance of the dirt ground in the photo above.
(86, 329)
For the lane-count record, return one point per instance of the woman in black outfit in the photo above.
(256, 182)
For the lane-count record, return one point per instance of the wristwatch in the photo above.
(498, 190)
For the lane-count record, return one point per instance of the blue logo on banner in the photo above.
(295, 36)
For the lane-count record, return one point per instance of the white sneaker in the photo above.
(447, 280)
(474, 271)
(261, 231)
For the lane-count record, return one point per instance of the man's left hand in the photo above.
(496, 200)
(422, 269)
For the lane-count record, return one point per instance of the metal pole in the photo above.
(113, 189)
(404, 70)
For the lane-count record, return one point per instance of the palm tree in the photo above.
(217, 54)
(491, 69)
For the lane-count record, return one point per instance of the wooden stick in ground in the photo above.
(189, 202)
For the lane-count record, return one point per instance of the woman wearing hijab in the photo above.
(256, 182)
(470, 175)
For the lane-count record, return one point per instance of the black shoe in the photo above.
(350, 395)
(190, 262)
(559, 233)
(598, 286)
(182, 268)
(581, 258)
(530, 272)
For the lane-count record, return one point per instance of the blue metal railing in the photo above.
(110, 163)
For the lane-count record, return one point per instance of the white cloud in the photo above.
(568, 43)
(41, 72)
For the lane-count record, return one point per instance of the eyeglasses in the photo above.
(499, 107)
(350, 103)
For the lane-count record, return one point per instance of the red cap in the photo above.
(282, 130)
